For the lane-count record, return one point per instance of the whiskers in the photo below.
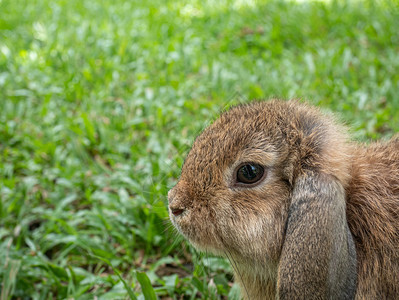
(236, 269)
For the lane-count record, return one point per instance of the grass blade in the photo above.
(146, 287)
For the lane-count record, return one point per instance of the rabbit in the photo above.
(300, 211)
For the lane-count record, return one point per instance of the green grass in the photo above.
(100, 100)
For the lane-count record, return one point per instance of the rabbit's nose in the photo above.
(174, 206)
(177, 211)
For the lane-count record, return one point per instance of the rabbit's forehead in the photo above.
(219, 149)
(242, 134)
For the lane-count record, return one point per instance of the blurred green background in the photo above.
(100, 101)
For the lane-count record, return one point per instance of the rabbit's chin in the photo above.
(204, 244)
(202, 241)
(207, 248)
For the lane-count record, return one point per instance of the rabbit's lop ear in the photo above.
(318, 259)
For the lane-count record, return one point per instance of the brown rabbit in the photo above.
(300, 212)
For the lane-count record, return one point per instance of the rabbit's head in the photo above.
(246, 176)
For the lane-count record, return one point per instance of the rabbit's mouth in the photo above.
(199, 233)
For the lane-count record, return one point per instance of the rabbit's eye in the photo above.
(250, 173)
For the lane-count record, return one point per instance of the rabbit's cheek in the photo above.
(259, 232)
(254, 229)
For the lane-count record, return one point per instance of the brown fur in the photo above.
(373, 215)
(288, 236)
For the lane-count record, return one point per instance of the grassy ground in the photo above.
(99, 101)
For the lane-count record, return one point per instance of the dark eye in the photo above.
(250, 173)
